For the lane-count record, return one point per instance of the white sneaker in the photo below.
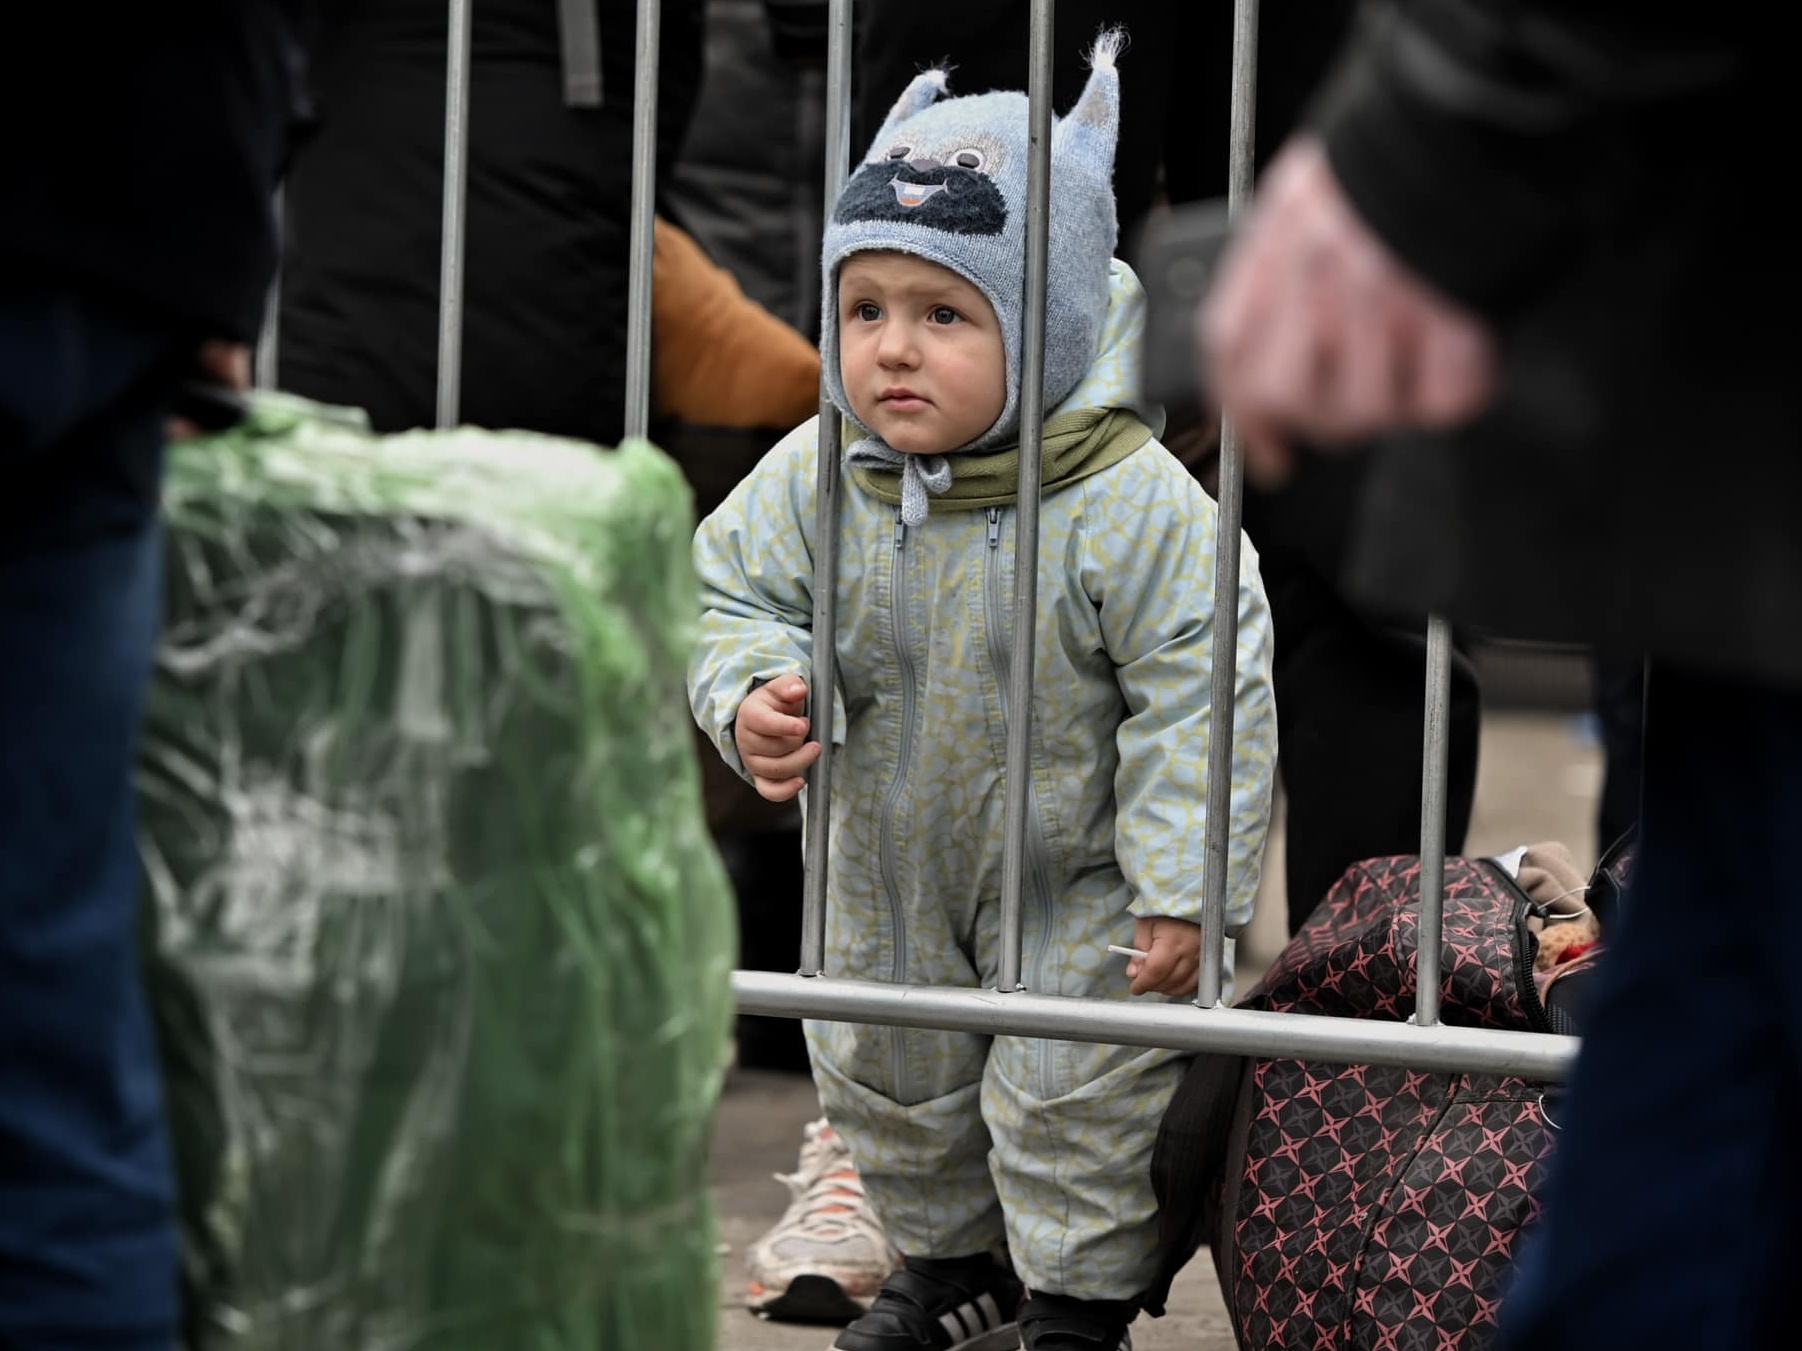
(826, 1258)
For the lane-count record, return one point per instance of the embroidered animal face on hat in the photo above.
(945, 180)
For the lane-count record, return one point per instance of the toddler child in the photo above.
(1012, 1173)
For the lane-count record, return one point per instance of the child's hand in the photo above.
(772, 737)
(1172, 964)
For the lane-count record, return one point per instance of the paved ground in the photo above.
(1538, 781)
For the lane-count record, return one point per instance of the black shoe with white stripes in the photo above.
(940, 1306)
(1057, 1323)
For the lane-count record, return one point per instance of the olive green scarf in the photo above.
(1077, 444)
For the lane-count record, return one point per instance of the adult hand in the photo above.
(771, 732)
(1172, 964)
(1316, 331)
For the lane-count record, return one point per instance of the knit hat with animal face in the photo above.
(945, 180)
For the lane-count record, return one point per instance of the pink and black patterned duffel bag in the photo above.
(1362, 1207)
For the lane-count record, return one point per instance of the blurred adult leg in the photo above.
(87, 1246)
(1674, 1208)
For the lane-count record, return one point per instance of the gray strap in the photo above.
(580, 24)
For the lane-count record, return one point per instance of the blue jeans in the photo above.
(1674, 1208)
(87, 1243)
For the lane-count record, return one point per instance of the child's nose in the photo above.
(896, 346)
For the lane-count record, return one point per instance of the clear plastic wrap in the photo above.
(439, 942)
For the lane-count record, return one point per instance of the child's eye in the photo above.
(944, 314)
(867, 311)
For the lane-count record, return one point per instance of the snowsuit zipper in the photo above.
(886, 850)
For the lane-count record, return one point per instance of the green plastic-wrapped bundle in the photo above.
(440, 943)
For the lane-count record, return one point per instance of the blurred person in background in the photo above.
(1542, 266)
(136, 243)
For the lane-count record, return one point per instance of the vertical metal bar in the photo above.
(644, 209)
(267, 372)
(1230, 495)
(456, 198)
(456, 194)
(1433, 772)
(1042, 36)
(824, 676)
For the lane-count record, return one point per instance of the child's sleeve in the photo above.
(754, 561)
(1149, 559)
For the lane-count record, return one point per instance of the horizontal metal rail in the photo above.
(1178, 1026)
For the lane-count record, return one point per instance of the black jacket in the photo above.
(546, 260)
(141, 148)
(1601, 180)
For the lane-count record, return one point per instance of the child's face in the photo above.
(920, 353)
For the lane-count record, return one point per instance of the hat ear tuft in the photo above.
(1110, 46)
(924, 90)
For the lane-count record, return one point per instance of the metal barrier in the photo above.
(1207, 1024)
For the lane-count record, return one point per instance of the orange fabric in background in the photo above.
(719, 359)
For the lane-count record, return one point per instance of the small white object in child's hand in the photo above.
(1127, 952)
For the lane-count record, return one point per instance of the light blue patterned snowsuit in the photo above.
(967, 1142)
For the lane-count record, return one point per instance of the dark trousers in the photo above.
(1674, 1207)
(87, 1246)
